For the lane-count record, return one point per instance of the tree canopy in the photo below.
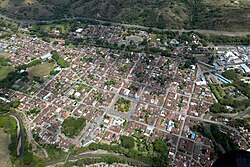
(72, 126)
(127, 142)
(160, 146)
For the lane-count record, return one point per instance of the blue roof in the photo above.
(217, 68)
(193, 134)
(222, 78)
(168, 127)
(203, 78)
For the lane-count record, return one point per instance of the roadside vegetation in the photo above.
(241, 122)
(155, 155)
(30, 64)
(109, 159)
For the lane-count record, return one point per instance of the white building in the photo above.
(46, 56)
(245, 68)
(79, 30)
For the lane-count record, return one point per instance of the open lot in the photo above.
(40, 70)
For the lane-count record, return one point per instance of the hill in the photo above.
(231, 15)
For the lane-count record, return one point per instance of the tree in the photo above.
(160, 146)
(127, 142)
(28, 158)
(60, 61)
(72, 126)
(230, 74)
(218, 108)
(166, 53)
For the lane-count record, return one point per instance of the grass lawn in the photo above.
(71, 46)
(4, 70)
(40, 70)
(153, 37)
(47, 28)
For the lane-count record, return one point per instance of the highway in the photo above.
(202, 31)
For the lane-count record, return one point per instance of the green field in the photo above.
(40, 70)
(4, 70)
(51, 27)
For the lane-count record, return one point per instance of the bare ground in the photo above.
(4, 152)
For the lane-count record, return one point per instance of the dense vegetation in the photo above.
(127, 142)
(226, 99)
(10, 126)
(4, 61)
(160, 146)
(218, 136)
(54, 152)
(9, 106)
(72, 126)
(224, 139)
(60, 61)
(244, 122)
(30, 64)
(109, 159)
(153, 155)
(218, 108)
(228, 15)
(11, 78)
(235, 77)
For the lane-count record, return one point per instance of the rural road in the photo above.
(20, 133)
(20, 147)
(213, 32)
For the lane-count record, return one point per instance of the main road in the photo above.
(202, 31)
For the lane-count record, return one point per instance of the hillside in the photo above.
(203, 14)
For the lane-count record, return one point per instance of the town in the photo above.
(119, 92)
